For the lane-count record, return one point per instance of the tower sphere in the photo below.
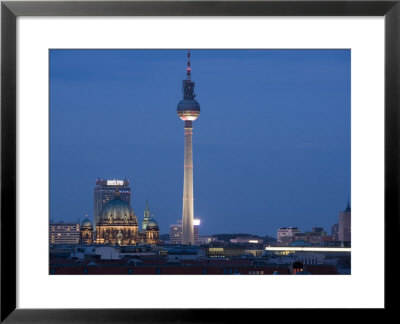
(152, 225)
(188, 109)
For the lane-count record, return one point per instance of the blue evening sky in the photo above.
(271, 147)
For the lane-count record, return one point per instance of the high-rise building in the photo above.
(104, 191)
(335, 231)
(345, 224)
(64, 233)
(188, 110)
(175, 232)
(196, 225)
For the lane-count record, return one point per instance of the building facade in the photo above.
(175, 232)
(247, 240)
(64, 233)
(335, 231)
(345, 224)
(118, 225)
(207, 239)
(286, 235)
(104, 192)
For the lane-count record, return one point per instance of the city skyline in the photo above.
(273, 150)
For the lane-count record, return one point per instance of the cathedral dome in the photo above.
(86, 224)
(117, 211)
(152, 225)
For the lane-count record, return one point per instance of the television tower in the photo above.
(188, 110)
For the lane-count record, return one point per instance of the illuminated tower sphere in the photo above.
(188, 110)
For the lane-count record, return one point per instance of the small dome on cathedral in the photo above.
(152, 225)
(86, 223)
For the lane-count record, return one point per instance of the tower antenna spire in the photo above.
(188, 69)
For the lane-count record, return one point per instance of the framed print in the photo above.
(286, 117)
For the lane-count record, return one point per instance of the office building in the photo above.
(285, 235)
(335, 231)
(207, 239)
(175, 232)
(104, 192)
(345, 224)
(247, 240)
(64, 233)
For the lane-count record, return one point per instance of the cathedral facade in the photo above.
(117, 224)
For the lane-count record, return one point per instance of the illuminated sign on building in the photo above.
(115, 182)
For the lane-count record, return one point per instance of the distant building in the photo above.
(335, 231)
(285, 235)
(247, 240)
(196, 225)
(345, 224)
(104, 191)
(315, 237)
(226, 251)
(300, 237)
(207, 239)
(64, 233)
(318, 230)
(175, 232)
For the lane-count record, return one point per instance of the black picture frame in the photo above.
(10, 10)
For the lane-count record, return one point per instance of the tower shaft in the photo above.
(188, 110)
(188, 208)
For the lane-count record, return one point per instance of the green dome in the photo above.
(118, 211)
(152, 225)
(86, 224)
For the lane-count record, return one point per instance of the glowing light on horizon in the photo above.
(196, 221)
(311, 249)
